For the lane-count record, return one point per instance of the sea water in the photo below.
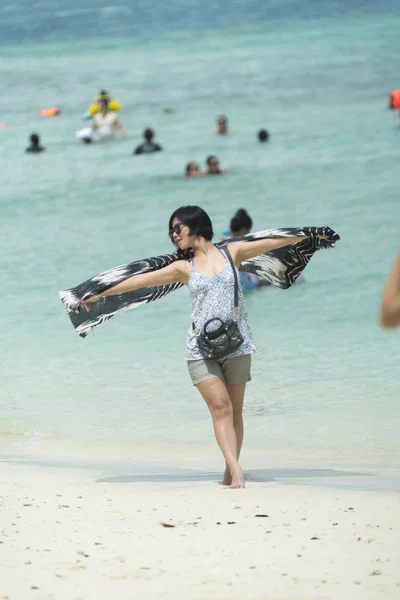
(326, 383)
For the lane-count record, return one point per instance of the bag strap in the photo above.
(236, 292)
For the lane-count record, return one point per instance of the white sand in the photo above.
(66, 536)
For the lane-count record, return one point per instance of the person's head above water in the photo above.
(241, 223)
(148, 134)
(34, 144)
(192, 169)
(103, 103)
(222, 124)
(188, 225)
(34, 139)
(103, 95)
(263, 135)
(213, 165)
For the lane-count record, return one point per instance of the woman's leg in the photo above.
(217, 398)
(236, 394)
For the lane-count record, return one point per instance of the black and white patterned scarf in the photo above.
(280, 267)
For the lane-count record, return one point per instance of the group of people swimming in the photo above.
(193, 170)
(213, 168)
(223, 129)
(105, 123)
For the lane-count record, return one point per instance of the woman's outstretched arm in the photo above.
(177, 272)
(242, 251)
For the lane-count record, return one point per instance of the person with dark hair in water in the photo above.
(193, 170)
(241, 224)
(212, 163)
(35, 146)
(148, 146)
(222, 125)
(263, 135)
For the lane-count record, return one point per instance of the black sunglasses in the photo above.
(176, 229)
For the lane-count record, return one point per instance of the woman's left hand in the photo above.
(86, 303)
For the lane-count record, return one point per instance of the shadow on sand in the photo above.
(254, 475)
(128, 471)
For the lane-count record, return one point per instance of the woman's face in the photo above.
(194, 170)
(179, 234)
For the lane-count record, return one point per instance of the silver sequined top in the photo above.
(214, 297)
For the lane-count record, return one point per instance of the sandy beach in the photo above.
(70, 534)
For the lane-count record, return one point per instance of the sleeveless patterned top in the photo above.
(214, 297)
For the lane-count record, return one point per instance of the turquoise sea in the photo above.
(326, 384)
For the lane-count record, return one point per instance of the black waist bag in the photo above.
(220, 342)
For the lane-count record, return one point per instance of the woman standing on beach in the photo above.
(210, 278)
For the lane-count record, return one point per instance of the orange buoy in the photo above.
(394, 100)
(49, 112)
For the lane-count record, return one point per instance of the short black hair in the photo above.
(196, 219)
(263, 135)
(241, 220)
(34, 137)
(189, 166)
(148, 134)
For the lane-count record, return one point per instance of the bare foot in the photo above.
(237, 480)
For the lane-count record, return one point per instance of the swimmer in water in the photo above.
(103, 95)
(241, 224)
(148, 146)
(213, 167)
(105, 122)
(193, 170)
(222, 125)
(263, 135)
(35, 146)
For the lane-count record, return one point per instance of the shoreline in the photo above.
(73, 534)
(203, 462)
(292, 473)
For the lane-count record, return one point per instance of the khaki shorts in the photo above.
(231, 370)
